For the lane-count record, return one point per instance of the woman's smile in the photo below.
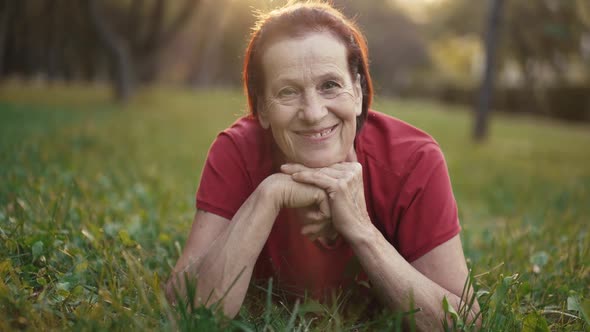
(318, 135)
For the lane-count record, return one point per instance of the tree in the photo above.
(89, 39)
(483, 110)
(6, 13)
(535, 33)
(541, 44)
(140, 32)
(123, 81)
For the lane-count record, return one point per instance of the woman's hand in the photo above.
(343, 183)
(288, 193)
(310, 204)
(317, 225)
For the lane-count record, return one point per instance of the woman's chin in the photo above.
(321, 162)
(315, 164)
(318, 158)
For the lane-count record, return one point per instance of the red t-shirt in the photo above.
(407, 191)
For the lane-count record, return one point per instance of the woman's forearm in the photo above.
(226, 267)
(399, 283)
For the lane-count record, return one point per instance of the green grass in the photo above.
(96, 201)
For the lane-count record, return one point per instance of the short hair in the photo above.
(297, 20)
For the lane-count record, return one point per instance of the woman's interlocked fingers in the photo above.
(343, 183)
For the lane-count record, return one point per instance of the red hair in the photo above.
(297, 20)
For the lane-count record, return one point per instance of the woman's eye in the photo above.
(329, 85)
(287, 93)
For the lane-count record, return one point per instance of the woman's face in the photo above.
(310, 100)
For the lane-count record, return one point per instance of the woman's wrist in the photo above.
(271, 192)
(361, 236)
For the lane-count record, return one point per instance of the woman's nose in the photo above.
(313, 108)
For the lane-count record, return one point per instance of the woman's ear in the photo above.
(262, 115)
(358, 95)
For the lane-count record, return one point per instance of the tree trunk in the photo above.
(487, 86)
(6, 11)
(121, 64)
(52, 39)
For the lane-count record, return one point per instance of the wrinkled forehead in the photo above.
(315, 52)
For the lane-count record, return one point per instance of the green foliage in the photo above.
(96, 202)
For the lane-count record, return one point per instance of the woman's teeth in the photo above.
(322, 133)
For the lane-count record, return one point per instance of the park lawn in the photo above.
(96, 201)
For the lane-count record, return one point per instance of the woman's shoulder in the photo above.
(392, 143)
(245, 135)
(380, 125)
(245, 129)
(247, 144)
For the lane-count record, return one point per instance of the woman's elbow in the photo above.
(172, 291)
(175, 292)
(476, 314)
(231, 310)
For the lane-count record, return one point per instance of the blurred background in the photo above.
(539, 50)
(108, 109)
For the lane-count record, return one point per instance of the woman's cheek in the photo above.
(290, 146)
(345, 104)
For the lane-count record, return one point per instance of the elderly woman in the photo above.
(312, 181)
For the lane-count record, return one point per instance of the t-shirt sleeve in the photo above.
(225, 183)
(430, 215)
